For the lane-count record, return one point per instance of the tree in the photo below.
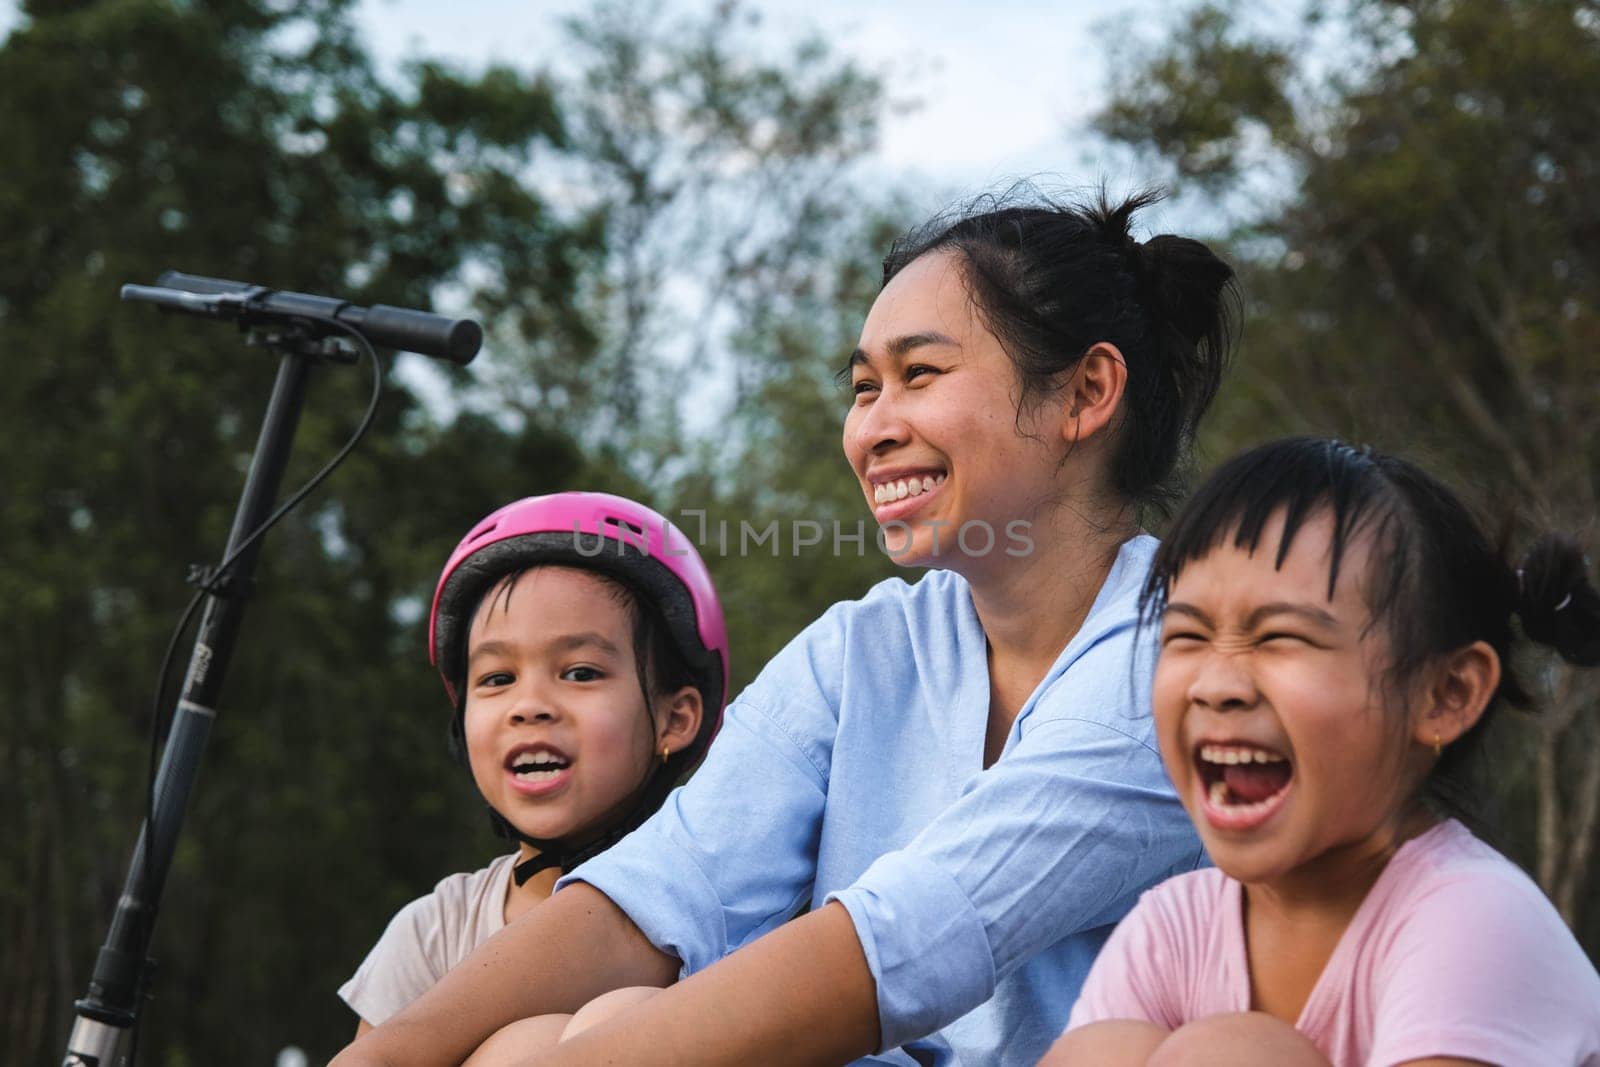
(253, 140)
(1423, 272)
(249, 140)
(717, 165)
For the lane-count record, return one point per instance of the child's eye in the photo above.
(1179, 635)
(494, 679)
(582, 674)
(1281, 638)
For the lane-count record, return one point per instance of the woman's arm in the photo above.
(807, 993)
(555, 958)
(802, 994)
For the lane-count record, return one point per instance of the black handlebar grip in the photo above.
(457, 340)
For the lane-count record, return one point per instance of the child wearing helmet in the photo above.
(584, 651)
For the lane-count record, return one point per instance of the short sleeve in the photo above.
(1060, 836)
(1133, 977)
(403, 965)
(732, 854)
(1482, 968)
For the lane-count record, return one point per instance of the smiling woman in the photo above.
(954, 783)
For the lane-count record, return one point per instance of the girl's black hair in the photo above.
(1436, 581)
(1052, 280)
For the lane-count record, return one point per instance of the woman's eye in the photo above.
(582, 674)
(862, 387)
(918, 370)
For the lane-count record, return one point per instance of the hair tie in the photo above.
(1564, 602)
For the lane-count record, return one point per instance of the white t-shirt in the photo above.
(427, 937)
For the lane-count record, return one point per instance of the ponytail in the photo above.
(1556, 602)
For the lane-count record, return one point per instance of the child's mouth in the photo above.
(1241, 785)
(537, 770)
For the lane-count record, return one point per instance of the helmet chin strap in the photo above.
(557, 852)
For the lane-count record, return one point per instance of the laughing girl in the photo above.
(1335, 631)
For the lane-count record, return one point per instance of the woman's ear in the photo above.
(1093, 391)
(680, 724)
(1461, 689)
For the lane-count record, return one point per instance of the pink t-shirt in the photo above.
(1455, 952)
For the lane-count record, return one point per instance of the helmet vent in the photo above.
(483, 531)
(632, 527)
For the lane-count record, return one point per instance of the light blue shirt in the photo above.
(852, 769)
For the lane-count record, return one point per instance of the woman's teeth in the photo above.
(888, 492)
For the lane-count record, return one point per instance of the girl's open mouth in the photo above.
(538, 770)
(1241, 785)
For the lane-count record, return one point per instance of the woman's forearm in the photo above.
(801, 995)
(555, 958)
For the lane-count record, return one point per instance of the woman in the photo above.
(955, 780)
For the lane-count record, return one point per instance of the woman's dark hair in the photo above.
(1052, 280)
(1436, 581)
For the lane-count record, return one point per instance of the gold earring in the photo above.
(665, 752)
(1438, 749)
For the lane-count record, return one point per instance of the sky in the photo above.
(1003, 88)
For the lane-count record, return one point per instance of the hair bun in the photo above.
(1556, 602)
(1183, 282)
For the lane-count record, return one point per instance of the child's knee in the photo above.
(607, 1006)
(1245, 1039)
(1115, 1041)
(513, 1044)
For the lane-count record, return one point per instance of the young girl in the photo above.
(584, 650)
(1334, 635)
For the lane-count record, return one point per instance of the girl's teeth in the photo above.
(1231, 756)
(538, 774)
(1219, 794)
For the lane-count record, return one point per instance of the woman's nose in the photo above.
(882, 424)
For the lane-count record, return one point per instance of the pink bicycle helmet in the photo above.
(622, 540)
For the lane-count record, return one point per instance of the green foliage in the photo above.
(245, 140)
(248, 139)
(1425, 279)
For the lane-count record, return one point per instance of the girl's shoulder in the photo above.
(1450, 859)
(468, 891)
(1461, 954)
(1450, 899)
